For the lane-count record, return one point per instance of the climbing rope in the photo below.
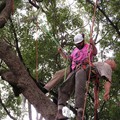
(44, 30)
(56, 42)
(89, 74)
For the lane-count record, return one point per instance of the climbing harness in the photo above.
(90, 64)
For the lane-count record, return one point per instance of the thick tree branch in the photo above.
(8, 76)
(29, 88)
(6, 11)
(16, 40)
(11, 79)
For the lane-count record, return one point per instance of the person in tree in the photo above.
(79, 61)
(77, 83)
(59, 75)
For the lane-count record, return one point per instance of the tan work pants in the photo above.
(57, 78)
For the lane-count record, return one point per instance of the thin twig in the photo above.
(7, 110)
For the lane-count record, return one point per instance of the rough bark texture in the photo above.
(19, 77)
(6, 10)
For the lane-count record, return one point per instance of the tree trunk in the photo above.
(19, 76)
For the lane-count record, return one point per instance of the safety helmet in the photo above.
(78, 38)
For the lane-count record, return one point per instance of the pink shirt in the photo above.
(78, 56)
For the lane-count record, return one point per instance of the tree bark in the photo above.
(6, 10)
(19, 76)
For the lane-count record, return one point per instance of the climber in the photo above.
(81, 47)
(77, 83)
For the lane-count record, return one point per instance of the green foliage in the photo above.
(62, 22)
(11, 103)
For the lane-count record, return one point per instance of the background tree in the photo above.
(43, 25)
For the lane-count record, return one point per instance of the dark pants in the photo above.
(75, 82)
